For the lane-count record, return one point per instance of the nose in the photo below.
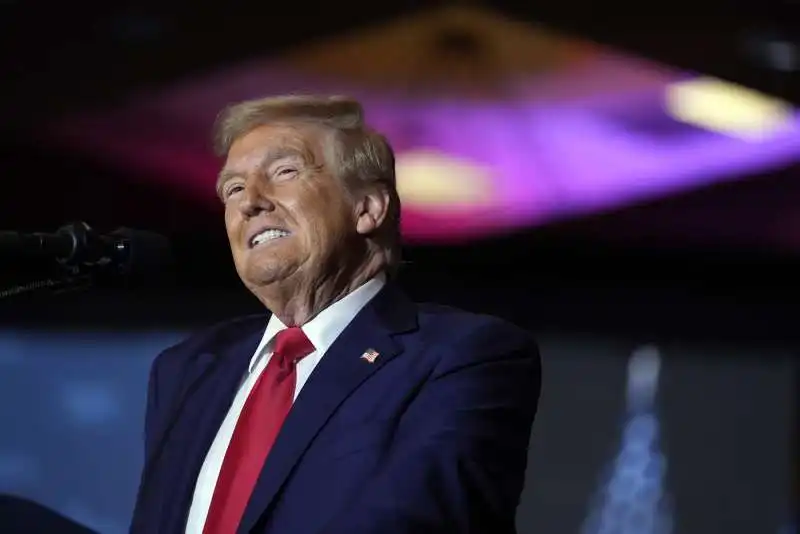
(254, 201)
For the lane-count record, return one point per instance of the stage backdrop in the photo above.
(632, 437)
(497, 125)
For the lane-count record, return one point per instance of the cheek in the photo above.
(324, 216)
(329, 226)
(311, 215)
(232, 224)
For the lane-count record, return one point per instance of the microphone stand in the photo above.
(53, 285)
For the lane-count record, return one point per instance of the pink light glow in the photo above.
(547, 159)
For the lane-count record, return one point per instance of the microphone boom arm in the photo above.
(75, 257)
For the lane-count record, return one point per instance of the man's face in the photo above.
(286, 215)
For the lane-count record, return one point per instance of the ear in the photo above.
(371, 209)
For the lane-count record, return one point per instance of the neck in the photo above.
(296, 304)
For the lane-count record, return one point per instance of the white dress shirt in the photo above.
(322, 331)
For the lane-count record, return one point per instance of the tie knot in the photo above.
(292, 345)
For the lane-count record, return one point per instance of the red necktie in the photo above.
(262, 415)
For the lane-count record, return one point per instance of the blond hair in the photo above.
(361, 156)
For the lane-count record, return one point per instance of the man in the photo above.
(350, 410)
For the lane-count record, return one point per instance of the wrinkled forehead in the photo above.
(273, 142)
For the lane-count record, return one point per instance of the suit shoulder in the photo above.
(453, 340)
(212, 338)
(453, 326)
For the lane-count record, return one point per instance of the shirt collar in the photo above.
(328, 324)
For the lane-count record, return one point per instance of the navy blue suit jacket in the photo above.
(430, 438)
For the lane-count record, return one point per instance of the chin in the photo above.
(260, 278)
(264, 274)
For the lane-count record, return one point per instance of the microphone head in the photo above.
(141, 253)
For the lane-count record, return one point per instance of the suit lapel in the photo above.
(337, 375)
(212, 381)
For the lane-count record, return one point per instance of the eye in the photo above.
(285, 172)
(230, 190)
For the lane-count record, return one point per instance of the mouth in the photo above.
(265, 236)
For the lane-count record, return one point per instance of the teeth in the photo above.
(268, 235)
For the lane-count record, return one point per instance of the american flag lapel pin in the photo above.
(370, 355)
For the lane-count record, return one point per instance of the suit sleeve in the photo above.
(154, 414)
(158, 403)
(457, 464)
(152, 407)
(162, 385)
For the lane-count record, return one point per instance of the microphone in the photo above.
(123, 251)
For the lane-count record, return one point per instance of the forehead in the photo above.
(275, 141)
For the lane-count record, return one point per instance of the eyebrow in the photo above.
(269, 158)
